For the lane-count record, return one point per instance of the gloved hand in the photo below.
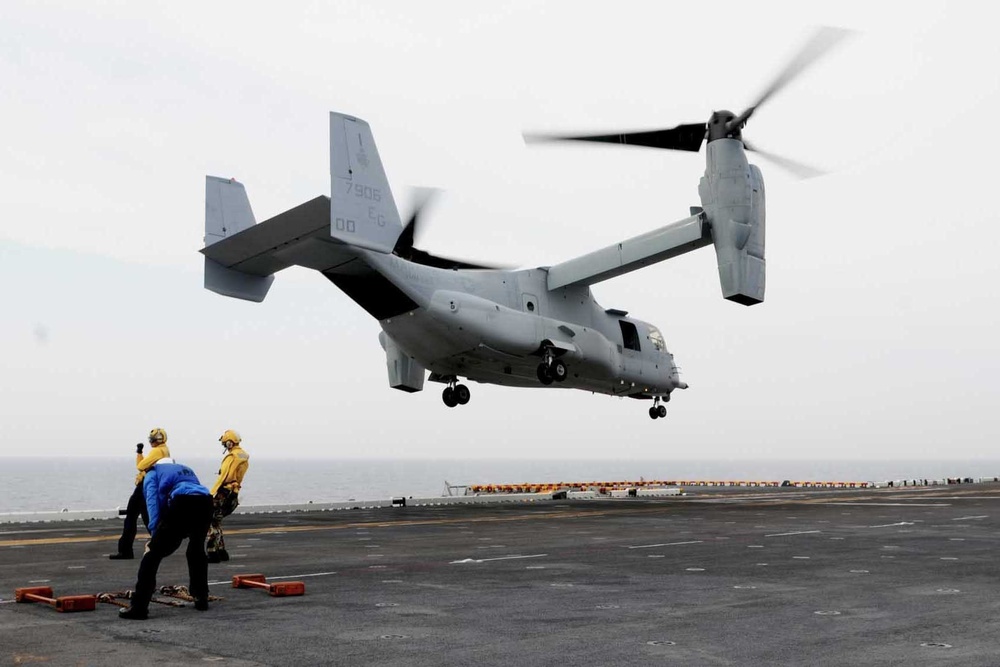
(138, 448)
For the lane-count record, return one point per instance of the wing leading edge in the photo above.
(635, 253)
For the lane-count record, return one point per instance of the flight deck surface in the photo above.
(717, 577)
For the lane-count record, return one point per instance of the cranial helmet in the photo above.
(157, 436)
(230, 437)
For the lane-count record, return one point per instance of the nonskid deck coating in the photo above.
(769, 576)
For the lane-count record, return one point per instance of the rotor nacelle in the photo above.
(723, 125)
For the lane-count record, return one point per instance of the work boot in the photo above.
(121, 556)
(201, 604)
(133, 613)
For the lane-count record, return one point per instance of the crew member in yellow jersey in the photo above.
(137, 502)
(226, 492)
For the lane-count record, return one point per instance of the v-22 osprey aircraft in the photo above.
(536, 327)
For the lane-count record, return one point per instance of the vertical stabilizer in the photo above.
(227, 213)
(227, 209)
(362, 210)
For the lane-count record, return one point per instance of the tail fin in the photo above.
(228, 212)
(227, 209)
(362, 210)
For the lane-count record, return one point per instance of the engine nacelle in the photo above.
(732, 194)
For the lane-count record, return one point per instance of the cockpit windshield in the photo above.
(656, 338)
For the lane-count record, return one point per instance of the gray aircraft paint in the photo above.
(490, 326)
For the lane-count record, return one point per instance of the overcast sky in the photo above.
(878, 337)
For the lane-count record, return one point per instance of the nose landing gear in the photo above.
(455, 394)
(658, 410)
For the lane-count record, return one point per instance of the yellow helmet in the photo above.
(157, 436)
(230, 436)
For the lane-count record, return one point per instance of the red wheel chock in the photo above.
(65, 603)
(279, 590)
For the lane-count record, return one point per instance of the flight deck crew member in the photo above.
(225, 492)
(137, 503)
(179, 507)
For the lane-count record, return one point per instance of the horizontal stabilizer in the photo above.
(299, 236)
(634, 253)
(240, 261)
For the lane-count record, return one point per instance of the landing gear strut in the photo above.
(455, 394)
(657, 410)
(551, 369)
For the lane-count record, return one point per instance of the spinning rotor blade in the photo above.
(797, 169)
(404, 244)
(681, 138)
(421, 198)
(821, 43)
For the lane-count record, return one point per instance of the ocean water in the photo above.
(41, 484)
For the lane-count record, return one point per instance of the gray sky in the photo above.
(877, 338)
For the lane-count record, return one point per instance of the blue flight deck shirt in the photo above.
(164, 482)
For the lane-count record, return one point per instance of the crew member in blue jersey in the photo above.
(179, 507)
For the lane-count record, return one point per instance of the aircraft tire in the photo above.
(653, 413)
(462, 394)
(449, 398)
(661, 411)
(558, 371)
(544, 375)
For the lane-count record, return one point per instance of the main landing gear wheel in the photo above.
(657, 411)
(653, 413)
(551, 369)
(455, 394)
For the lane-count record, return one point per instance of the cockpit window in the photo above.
(656, 338)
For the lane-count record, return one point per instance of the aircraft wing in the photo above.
(635, 253)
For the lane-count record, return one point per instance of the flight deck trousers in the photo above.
(136, 507)
(186, 517)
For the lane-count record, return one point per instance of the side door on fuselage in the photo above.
(631, 348)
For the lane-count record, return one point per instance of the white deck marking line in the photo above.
(890, 525)
(665, 544)
(486, 560)
(967, 497)
(797, 532)
(890, 504)
(966, 518)
(283, 576)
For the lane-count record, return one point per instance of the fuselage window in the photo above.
(656, 338)
(630, 336)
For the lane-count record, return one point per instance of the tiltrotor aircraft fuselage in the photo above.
(537, 327)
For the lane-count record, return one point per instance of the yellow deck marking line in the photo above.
(313, 528)
(519, 517)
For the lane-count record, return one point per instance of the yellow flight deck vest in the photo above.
(156, 453)
(234, 467)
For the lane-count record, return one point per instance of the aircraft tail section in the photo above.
(227, 213)
(362, 210)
